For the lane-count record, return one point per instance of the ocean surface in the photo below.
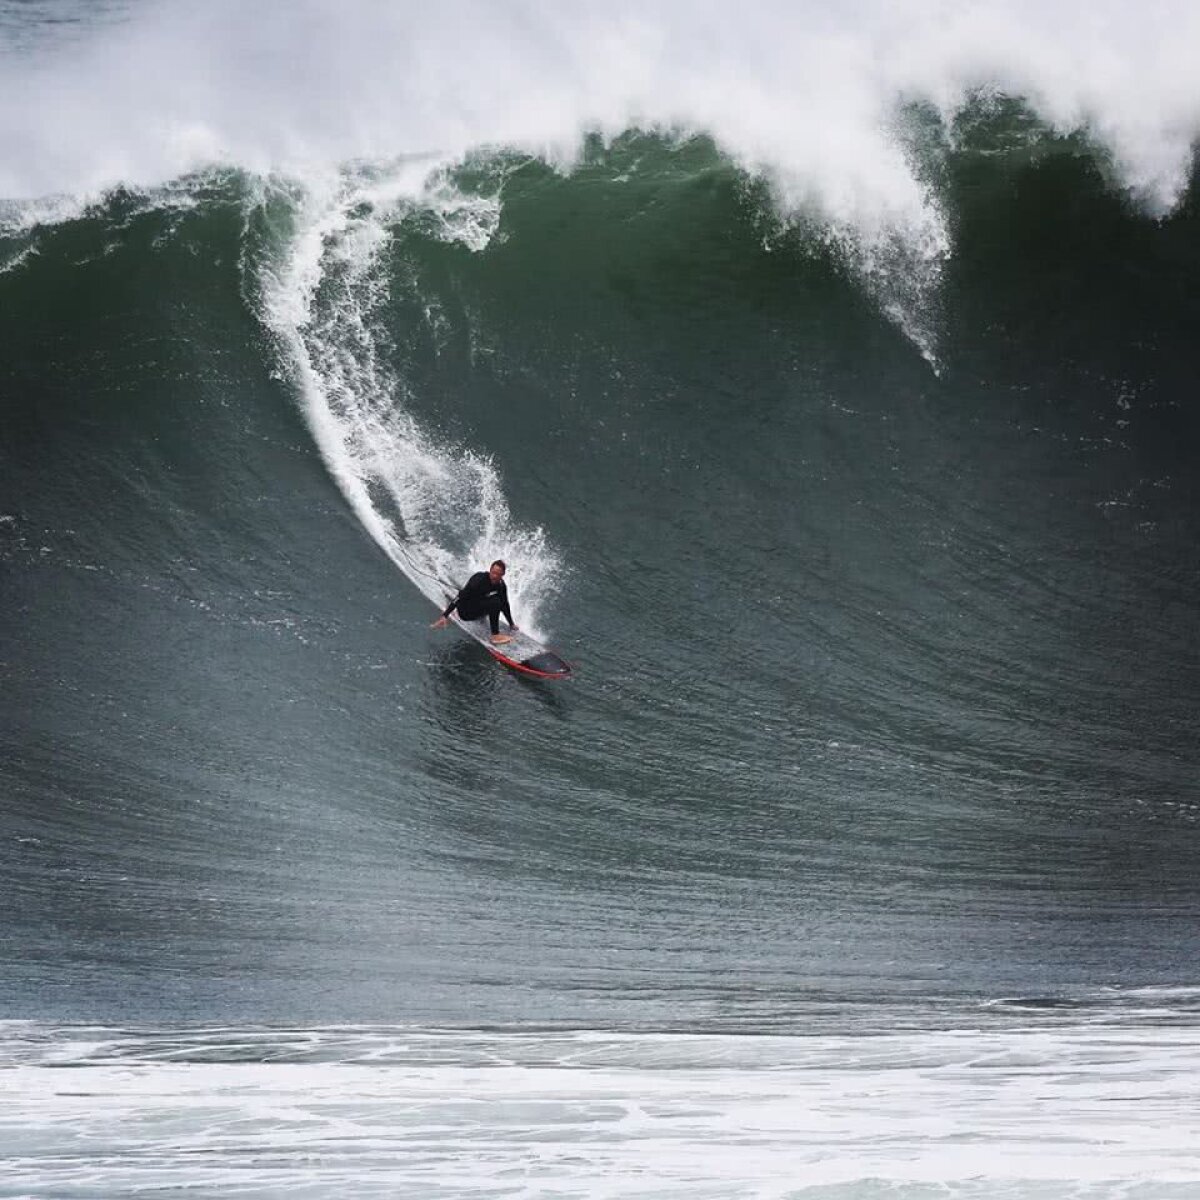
(827, 376)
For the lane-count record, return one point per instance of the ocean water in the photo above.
(826, 377)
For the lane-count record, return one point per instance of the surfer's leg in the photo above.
(493, 613)
(489, 609)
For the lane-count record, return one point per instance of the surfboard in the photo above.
(522, 652)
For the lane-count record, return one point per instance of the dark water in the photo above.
(886, 648)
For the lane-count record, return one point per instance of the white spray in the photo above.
(438, 512)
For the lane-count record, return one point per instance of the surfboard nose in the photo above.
(547, 663)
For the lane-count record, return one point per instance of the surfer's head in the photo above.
(496, 570)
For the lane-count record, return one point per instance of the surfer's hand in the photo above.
(440, 623)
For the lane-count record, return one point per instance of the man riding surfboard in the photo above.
(483, 595)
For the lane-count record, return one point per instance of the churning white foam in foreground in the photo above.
(439, 512)
(1051, 1113)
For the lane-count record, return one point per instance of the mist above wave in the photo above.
(801, 92)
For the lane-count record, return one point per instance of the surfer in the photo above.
(483, 595)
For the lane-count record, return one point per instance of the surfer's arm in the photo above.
(507, 611)
(467, 590)
(441, 621)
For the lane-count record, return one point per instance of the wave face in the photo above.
(862, 647)
(835, 413)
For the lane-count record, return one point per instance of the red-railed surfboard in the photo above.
(522, 652)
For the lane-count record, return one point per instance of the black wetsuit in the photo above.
(480, 597)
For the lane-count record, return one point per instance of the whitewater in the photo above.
(395, 1112)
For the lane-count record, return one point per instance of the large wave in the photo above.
(877, 659)
(356, 113)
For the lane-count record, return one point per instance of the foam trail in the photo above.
(436, 511)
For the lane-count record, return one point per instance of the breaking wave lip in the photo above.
(808, 99)
(804, 91)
